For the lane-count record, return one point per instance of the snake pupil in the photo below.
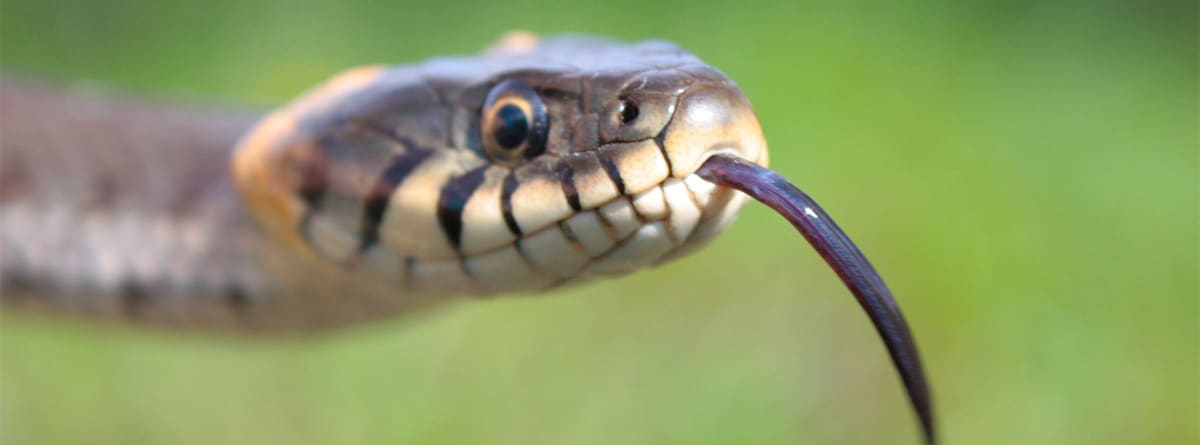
(629, 111)
(512, 126)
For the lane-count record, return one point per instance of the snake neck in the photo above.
(119, 207)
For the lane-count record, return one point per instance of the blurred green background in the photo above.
(1024, 174)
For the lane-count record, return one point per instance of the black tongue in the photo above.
(867, 286)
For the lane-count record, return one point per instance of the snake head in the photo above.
(523, 169)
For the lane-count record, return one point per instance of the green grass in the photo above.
(1025, 175)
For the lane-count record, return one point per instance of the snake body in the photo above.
(537, 164)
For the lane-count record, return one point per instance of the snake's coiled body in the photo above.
(383, 190)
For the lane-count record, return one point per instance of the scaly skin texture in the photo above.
(119, 208)
(369, 196)
(386, 189)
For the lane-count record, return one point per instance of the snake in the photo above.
(539, 163)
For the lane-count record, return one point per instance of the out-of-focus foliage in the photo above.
(1024, 174)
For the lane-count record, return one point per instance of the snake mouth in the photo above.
(843, 256)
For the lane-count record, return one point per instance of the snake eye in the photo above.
(514, 123)
(628, 110)
(512, 127)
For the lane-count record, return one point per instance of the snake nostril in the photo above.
(628, 110)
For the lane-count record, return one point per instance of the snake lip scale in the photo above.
(538, 164)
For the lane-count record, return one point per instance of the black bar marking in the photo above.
(134, 298)
(314, 183)
(453, 200)
(614, 173)
(410, 264)
(662, 148)
(377, 200)
(506, 191)
(571, 238)
(566, 177)
(314, 179)
(526, 258)
(237, 298)
(312, 190)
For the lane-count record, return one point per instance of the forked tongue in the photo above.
(819, 229)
